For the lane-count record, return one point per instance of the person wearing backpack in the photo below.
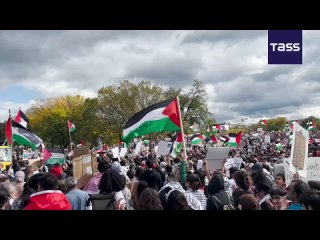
(111, 195)
(218, 199)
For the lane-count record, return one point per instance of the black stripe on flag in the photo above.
(139, 115)
(22, 115)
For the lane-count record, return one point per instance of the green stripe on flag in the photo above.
(164, 124)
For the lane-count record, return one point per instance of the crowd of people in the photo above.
(247, 180)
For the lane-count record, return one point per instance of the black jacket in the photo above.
(153, 179)
(218, 196)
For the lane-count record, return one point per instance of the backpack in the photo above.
(102, 201)
(229, 206)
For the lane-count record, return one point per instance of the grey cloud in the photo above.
(228, 36)
(174, 71)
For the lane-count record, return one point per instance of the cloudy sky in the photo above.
(233, 65)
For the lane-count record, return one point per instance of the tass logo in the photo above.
(285, 47)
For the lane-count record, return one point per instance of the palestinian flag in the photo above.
(234, 139)
(46, 155)
(9, 131)
(218, 127)
(278, 146)
(71, 127)
(159, 117)
(197, 140)
(208, 133)
(176, 146)
(24, 137)
(263, 122)
(214, 139)
(214, 130)
(224, 138)
(311, 125)
(22, 119)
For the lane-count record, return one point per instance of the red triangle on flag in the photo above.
(172, 111)
(18, 118)
(9, 131)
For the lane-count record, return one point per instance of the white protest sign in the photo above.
(215, 157)
(313, 170)
(115, 152)
(299, 150)
(164, 148)
(138, 147)
(225, 127)
(156, 149)
(237, 162)
(25, 155)
(317, 140)
(123, 152)
(267, 139)
(259, 129)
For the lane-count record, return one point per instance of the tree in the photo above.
(48, 118)
(118, 103)
(193, 105)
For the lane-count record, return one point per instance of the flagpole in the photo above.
(11, 133)
(70, 137)
(182, 132)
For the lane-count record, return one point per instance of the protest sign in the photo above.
(312, 172)
(215, 157)
(123, 152)
(138, 147)
(25, 155)
(115, 152)
(267, 138)
(164, 148)
(259, 130)
(299, 151)
(317, 140)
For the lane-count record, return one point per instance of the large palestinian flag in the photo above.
(24, 137)
(160, 117)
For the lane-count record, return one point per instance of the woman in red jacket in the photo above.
(48, 197)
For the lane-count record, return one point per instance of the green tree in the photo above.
(118, 103)
(48, 118)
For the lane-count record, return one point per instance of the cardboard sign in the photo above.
(164, 148)
(299, 150)
(267, 139)
(215, 157)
